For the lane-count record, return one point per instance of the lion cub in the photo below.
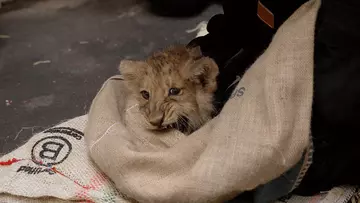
(174, 87)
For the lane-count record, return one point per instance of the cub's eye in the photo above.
(174, 91)
(145, 94)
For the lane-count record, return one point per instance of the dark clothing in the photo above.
(238, 37)
(336, 106)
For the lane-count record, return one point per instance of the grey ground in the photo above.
(55, 54)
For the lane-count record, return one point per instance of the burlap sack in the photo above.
(53, 166)
(30, 187)
(335, 195)
(262, 131)
(27, 180)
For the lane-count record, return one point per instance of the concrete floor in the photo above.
(55, 54)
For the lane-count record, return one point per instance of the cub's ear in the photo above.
(195, 52)
(204, 72)
(131, 70)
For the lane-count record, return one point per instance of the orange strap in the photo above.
(265, 15)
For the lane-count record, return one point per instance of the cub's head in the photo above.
(174, 87)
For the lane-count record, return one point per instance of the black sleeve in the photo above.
(237, 37)
(336, 106)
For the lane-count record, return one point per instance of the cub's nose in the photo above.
(156, 120)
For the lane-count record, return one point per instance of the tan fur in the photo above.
(175, 67)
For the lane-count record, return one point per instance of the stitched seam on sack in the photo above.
(306, 165)
(98, 140)
(102, 136)
(144, 141)
(120, 173)
(310, 148)
(351, 192)
(108, 129)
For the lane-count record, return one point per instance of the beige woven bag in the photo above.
(262, 131)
